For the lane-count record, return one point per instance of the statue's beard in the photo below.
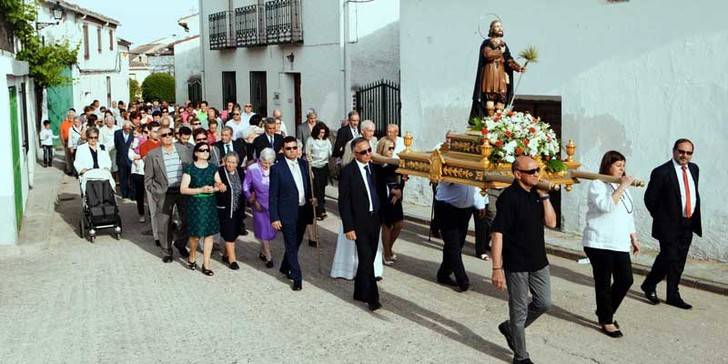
(495, 33)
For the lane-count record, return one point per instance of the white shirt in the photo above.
(691, 184)
(107, 136)
(46, 137)
(240, 129)
(298, 178)
(608, 224)
(245, 117)
(398, 147)
(366, 182)
(354, 133)
(460, 196)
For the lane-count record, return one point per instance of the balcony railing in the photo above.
(221, 36)
(247, 25)
(283, 21)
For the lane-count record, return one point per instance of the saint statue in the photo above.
(493, 81)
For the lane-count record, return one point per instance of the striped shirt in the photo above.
(173, 167)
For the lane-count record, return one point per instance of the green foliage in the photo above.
(158, 86)
(530, 54)
(46, 62)
(555, 165)
(133, 89)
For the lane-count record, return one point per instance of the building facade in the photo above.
(154, 57)
(188, 61)
(627, 76)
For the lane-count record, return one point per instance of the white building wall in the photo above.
(632, 77)
(187, 63)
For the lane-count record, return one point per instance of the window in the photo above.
(86, 53)
(111, 40)
(98, 37)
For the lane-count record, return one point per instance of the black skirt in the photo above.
(230, 227)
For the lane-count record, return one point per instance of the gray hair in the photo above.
(231, 155)
(227, 128)
(368, 124)
(267, 154)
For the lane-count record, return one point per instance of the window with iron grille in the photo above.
(283, 21)
(220, 37)
(247, 23)
(86, 53)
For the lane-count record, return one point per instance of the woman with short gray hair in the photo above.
(256, 187)
(230, 206)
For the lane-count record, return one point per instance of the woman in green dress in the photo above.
(200, 181)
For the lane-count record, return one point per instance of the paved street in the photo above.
(115, 302)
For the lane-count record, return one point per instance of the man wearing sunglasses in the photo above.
(674, 202)
(519, 253)
(162, 178)
(290, 204)
(359, 206)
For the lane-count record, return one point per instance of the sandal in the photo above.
(207, 272)
(191, 265)
(262, 257)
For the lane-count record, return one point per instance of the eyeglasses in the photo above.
(291, 148)
(528, 171)
(200, 140)
(203, 150)
(365, 151)
(236, 114)
(166, 135)
(686, 152)
(390, 148)
(197, 123)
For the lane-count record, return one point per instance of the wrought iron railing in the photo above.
(247, 24)
(379, 101)
(221, 36)
(283, 21)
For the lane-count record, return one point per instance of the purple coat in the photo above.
(256, 182)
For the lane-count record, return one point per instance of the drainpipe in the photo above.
(343, 31)
(203, 76)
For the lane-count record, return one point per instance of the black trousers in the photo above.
(367, 239)
(320, 180)
(292, 236)
(138, 182)
(612, 278)
(127, 188)
(47, 155)
(453, 228)
(670, 263)
(482, 232)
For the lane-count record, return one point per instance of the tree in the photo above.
(158, 86)
(133, 89)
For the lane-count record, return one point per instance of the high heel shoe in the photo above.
(207, 272)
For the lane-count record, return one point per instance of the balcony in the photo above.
(221, 35)
(247, 23)
(7, 39)
(283, 21)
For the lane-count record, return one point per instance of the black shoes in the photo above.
(182, 248)
(157, 243)
(614, 334)
(287, 273)
(651, 295)
(234, 266)
(522, 361)
(262, 257)
(448, 281)
(374, 306)
(207, 272)
(296, 286)
(463, 287)
(192, 265)
(269, 264)
(505, 330)
(167, 259)
(679, 303)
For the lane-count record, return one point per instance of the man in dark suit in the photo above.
(674, 202)
(122, 142)
(269, 139)
(346, 133)
(359, 211)
(227, 144)
(290, 203)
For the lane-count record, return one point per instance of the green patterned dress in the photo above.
(201, 208)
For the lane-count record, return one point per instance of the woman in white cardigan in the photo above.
(608, 237)
(91, 154)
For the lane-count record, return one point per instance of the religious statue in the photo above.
(493, 81)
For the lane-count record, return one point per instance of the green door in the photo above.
(60, 99)
(15, 144)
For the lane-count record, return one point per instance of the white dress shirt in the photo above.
(608, 224)
(460, 196)
(240, 129)
(354, 133)
(366, 182)
(691, 184)
(298, 178)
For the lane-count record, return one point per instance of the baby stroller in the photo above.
(98, 201)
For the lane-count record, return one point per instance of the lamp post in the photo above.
(57, 12)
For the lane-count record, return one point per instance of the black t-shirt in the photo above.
(519, 218)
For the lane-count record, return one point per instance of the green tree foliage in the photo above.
(46, 62)
(133, 89)
(158, 86)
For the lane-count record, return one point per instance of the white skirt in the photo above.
(346, 259)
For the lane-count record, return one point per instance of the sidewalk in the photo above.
(701, 274)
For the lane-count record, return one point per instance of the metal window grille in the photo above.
(379, 102)
(283, 21)
(246, 26)
(220, 30)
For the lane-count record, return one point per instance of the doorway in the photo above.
(16, 158)
(259, 92)
(229, 88)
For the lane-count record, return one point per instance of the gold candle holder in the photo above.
(570, 151)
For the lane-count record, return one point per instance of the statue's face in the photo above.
(497, 29)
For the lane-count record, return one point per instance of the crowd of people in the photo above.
(195, 170)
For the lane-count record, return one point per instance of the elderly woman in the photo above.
(200, 181)
(256, 188)
(367, 128)
(391, 212)
(318, 150)
(608, 236)
(76, 136)
(230, 205)
(92, 154)
(106, 133)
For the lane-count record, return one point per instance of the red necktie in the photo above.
(688, 207)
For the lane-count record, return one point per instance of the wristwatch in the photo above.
(544, 198)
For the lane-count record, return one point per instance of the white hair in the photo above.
(367, 124)
(268, 155)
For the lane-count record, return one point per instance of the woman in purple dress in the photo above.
(256, 188)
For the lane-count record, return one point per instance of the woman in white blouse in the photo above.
(318, 150)
(608, 237)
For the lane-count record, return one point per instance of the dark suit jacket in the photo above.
(122, 147)
(155, 172)
(353, 198)
(238, 147)
(662, 199)
(225, 199)
(343, 135)
(261, 142)
(283, 197)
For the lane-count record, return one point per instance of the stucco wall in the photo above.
(632, 76)
(187, 63)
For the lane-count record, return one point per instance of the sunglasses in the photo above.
(529, 171)
(200, 140)
(390, 148)
(166, 135)
(365, 151)
(196, 123)
(203, 150)
(236, 114)
(291, 148)
(686, 152)
(92, 138)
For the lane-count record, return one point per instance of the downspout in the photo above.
(203, 77)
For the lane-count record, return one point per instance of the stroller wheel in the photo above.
(91, 239)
